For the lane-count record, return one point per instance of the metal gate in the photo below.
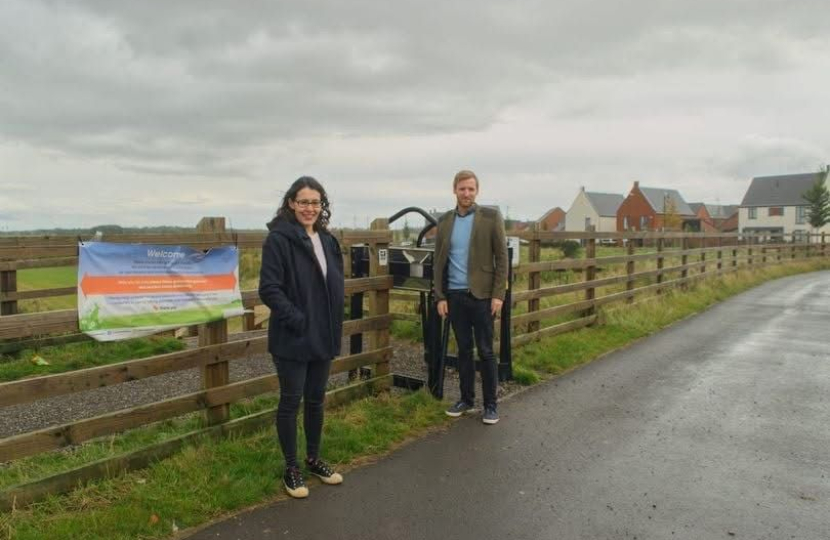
(411, 270)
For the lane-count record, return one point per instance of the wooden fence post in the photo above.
(629, 269)
(720, 254)
(749, 242)
(703, 245)
(591, 270)
(8, 284)
(217, 374)
(660, 262)
(823, 245)
(534, 279)
(684, 260)
(379, 300)
(248, 322)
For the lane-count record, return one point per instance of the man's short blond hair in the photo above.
(464, 175)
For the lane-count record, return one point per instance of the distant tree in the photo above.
(818, 201)
(406, 231)
(671, 217)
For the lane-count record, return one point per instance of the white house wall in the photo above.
(579, 210)
(765, 221)
(607, 224)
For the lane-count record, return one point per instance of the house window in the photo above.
(776, 211)
(801, 214)
(753, 213)
(643, 223)
(587, 223)
(625, 223)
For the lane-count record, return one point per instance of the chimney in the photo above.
(637, 184)
(582, 189)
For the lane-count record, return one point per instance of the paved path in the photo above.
(718, 427)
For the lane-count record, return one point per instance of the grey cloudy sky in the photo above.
(145, 113)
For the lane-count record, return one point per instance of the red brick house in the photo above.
(702, 213)
(716, 217)
(730, 224)
(655, 209)
(553, 220)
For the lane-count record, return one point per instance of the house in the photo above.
(775, 205)
(514, 226)
(702, 213)
(553, 220)
(714, 217)
(730, 224)
(724, 216)
(593, 209)
(656, 209)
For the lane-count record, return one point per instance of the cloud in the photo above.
(110, 98)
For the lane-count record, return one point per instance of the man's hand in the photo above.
(443, 309)
(495, 306)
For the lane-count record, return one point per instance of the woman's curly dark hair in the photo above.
(286, 213)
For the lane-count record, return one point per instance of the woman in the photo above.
(301, 281)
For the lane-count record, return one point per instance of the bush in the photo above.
(569, 248)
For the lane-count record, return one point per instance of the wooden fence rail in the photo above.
(212, 355)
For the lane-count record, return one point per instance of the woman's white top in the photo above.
(318, 250)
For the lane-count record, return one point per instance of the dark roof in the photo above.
(721, 211)
(716, 211)
(657, 197)
(606, 204)
(784, 190)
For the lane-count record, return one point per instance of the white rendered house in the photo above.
(775, 206)
(593, 209)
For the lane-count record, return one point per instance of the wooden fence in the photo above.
(551, 297)
(560, 295)
(211, 356)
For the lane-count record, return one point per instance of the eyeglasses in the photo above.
(305, 203)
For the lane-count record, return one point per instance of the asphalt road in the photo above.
(718, 427)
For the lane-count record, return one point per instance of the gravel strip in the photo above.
(408, 359)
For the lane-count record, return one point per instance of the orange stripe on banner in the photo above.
(156, 284)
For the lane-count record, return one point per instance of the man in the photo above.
(470, 269)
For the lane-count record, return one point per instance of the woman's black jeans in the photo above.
(306, 381)
(472, 322)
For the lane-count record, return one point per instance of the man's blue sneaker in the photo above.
(490, 415)
(458, 409)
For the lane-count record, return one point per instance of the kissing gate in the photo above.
(411, 269)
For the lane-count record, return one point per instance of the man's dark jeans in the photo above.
(471, 317)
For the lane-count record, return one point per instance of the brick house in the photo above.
(716, 217)
(654, 209)
(553, 220)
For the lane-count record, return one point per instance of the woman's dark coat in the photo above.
(306, 309)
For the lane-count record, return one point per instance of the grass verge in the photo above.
(81, 355)
(558, 354)
(207, 481)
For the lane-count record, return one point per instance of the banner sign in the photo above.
(130, 290)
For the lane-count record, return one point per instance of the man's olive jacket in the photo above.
(487, 265)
